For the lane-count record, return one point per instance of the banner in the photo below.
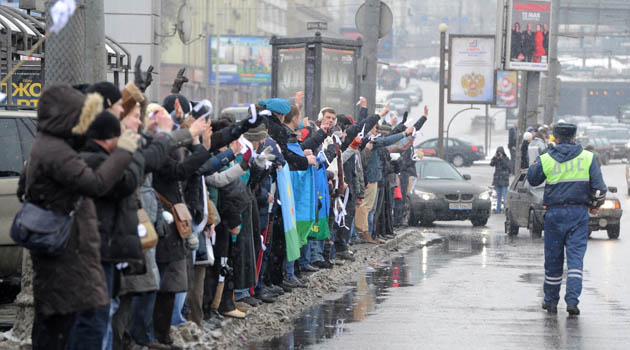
(27, 87)
(471, 69)
(320, 230)
(285, 191)
(528, 44)
(306, 203)
(240, 60)
(291, 71)
(507, 92)
(338, 77)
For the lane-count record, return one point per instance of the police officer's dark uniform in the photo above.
(573, 179)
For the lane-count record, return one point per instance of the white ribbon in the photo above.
(60, 14)
(340, 209)
(203, 103)
(361, 134)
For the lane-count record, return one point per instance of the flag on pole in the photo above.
(320, 229)
(60, 14)
(285, 191)
(306, 203)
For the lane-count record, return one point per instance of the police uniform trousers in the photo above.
(566, 229)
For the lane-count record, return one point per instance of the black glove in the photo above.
(180, 79)
(142, 82)
(418, 125)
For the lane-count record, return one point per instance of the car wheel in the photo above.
(458, 160)
(510, 227)
(479, 221)
(535, 228)
(613, 231)
(426, 222)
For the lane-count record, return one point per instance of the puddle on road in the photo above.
(328, 320)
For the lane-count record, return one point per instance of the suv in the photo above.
(17, 131)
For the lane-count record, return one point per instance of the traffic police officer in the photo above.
(574, 184)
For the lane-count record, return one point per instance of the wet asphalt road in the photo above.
(478, 289)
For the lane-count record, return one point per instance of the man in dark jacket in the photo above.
(117, 224)
(574, 183)
(55, 178)
(512, 146)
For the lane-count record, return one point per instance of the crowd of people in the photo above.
(181, 217)
(529, 45)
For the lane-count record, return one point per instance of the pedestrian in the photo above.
(501, 179)
(537, 146)
(56, 178)
(574, 186)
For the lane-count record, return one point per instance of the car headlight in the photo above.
(426, 196)
(610, 204)
(628, 145)
(484, 196)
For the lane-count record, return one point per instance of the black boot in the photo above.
(552, 309)
(573, 310)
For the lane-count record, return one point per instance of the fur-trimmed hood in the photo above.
(63, 111)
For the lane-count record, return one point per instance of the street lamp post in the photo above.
(443, 27)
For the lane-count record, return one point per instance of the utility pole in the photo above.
(554, 65)
(372, 17)
(65, 51)
(217, 86)
(522, 119)
(95, 59)
(443, 28)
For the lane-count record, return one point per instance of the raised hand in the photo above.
(180, 79)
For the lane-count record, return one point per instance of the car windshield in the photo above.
(398, 101)
(435, 170)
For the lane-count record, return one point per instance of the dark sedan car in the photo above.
(442, 193)
(459, 152)
(524, 208)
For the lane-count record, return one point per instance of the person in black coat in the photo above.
(501, 180)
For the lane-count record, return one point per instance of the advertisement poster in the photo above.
(241, 60)
(27, 88)
(507, 89)
(337, 83)
(528, 43)
(471, 69)
(290, 71)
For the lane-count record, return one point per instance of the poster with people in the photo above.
(528, 43)
(471, 68)
(507, 92)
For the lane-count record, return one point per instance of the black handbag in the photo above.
(42, 231)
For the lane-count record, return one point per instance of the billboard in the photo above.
(27, 87)
(338, 78)
(291, 71)
(507, 89)
(528, 44)
(241, 60)
(471, 69)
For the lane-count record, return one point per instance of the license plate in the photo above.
(460, 206)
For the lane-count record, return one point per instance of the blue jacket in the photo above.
(567, 192)
(374, 168)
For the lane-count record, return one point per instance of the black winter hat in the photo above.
(104, 127)
(109, 92)
(564, 130)
(169, 103)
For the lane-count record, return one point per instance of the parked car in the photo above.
(618, 138)
(479, 121)
(604, 120)
(442, 193)
(237, 111)
(458, 152)
(601, 146)
(429, 73)
(413, 97)
(524, 208)
(17, 131)
(399, 105)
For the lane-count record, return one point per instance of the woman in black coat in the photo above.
(501, 180)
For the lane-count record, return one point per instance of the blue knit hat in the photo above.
(276, 105)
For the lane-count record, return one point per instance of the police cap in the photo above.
(564, 130)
